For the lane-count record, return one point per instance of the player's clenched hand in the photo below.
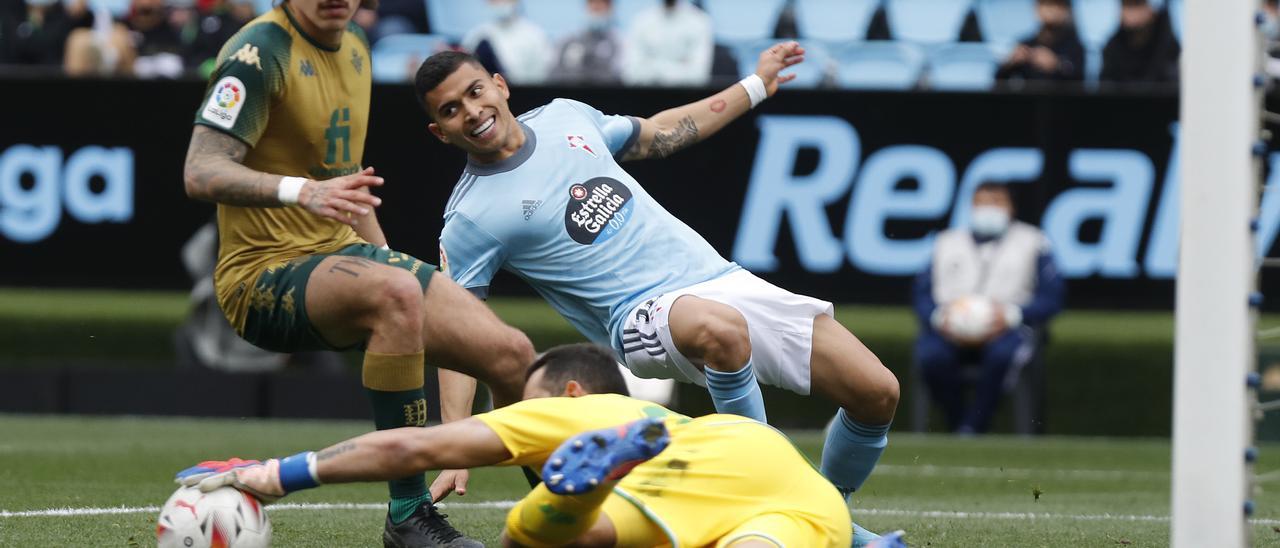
(449, 481)
(342, 199)
(776, 58)
(262, 480)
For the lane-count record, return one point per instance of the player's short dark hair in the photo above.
(593, 366)
(994, 186)
(435, 69)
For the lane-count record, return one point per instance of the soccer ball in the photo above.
(222, 518)
(969, 318)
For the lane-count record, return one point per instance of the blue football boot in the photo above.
(587, 460)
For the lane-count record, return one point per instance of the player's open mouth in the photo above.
(485, 127)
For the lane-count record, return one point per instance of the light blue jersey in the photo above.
(564, 216)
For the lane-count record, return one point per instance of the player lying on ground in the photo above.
(302, 262)
(543, 196)
(703, 489)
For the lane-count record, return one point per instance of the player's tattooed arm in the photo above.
(214, 172)
(667, 142)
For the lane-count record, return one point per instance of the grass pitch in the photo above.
(945, 491)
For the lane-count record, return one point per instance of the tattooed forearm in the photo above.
(214, 172)
(335, 451)
(667, 142)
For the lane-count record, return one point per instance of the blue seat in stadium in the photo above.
(1005, 22)
(396, 57)
(835, 20)
(1096, 21)
(809, 74)
(117, 8)
(734, 20)
(1176, 8)
(927, 21)
(558, 18)
(964, 66)
(453, 18)
(879, 65)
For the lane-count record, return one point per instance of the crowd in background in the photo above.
(668, 43)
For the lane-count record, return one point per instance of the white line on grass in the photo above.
(507, 504)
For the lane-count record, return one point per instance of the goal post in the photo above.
(1214, 335)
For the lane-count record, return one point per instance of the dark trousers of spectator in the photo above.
(942, 365)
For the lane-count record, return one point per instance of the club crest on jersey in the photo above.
(579, 143)
(597, 210)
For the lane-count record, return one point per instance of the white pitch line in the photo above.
(507, 504)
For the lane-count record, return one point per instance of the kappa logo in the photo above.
(580, 143)
(248, 54)
(529, 206)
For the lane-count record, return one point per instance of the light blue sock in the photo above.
(736, 393)
(851, 452)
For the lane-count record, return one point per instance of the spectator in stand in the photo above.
(146, 45)
(214, 22)
(35, 32)
(394, 17)
(669, 45)
(594, 55)
(984, 299)
(1144, 48)
(1054, 52)
(511, 44)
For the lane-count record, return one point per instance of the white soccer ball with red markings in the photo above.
(970, 318)
(222, 518)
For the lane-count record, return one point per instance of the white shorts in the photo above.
(779, 322)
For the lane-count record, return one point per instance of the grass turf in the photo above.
(944, 491)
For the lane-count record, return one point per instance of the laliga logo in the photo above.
(1122, 202)
(35, 185)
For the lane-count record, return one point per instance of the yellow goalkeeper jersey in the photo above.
(718, 473)
(303, 109)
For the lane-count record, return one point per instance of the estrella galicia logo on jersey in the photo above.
(597, 210)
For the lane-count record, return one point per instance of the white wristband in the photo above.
(289, 189)
(755, 89)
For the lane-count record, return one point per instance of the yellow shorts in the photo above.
(712, 496)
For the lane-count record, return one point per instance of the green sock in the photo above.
(403, 507)
(396, 410)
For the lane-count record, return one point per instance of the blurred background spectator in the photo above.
(983, 301)
(146, 44)
(511, 44)
(394, 17)
(593, 55)
(35, 32)
(1053, 52)
(669, 45)
(1144, 48)
(211, 23)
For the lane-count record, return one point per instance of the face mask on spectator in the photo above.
(989, 221)
(598, 22)
(502, 11)
(1271, 27)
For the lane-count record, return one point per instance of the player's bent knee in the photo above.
(398, 297)
(723, 340)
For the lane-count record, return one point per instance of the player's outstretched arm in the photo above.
(674, 129)
(377, 456)
(215, 172)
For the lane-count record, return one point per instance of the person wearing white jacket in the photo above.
(988, 291)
